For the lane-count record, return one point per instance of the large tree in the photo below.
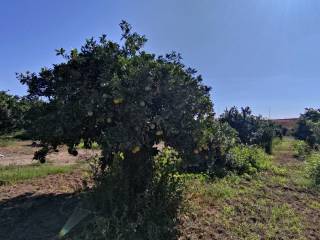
(123, 98)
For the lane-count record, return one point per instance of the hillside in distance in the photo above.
(289, 123)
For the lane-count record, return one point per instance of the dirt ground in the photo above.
(21, 153)
(271, 206)
(38, 209)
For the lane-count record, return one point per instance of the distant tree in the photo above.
(251, 129)
(12, 109)
(123, 98)
(308, 127)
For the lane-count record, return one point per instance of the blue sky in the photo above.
(261, 53)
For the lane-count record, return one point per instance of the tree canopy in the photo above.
(122, 97)
(308, 127)
(12, 109)
(251, 129)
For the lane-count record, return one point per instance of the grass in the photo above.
(278, 203)
(13, 174)
(6, 141)
(283, 145)
(10, 139)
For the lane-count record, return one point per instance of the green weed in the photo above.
(13, 174)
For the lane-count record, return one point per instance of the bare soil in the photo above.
(38, 209)
(21, 153)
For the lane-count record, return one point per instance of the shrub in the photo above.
(247, 159)
(302, 149)
(313, 168)
(152, 215)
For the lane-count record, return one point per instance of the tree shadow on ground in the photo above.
(30, 217)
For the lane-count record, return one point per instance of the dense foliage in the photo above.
(308, 128)
(252, 130)
(214, 140)
(12, 110)
(120, 97)
(125, 100)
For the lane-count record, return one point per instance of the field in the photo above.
(279, 203)
(113, 137)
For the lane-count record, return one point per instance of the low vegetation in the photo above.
(301, 149)
(15, 174)
(247, 160)
(151, 215)
(266, 205)
(313, 168)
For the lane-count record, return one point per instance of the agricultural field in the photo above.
(115, 142)
(278, 203)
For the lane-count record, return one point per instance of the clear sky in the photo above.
(261, 53)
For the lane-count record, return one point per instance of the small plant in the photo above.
(302, 149)
(313, 168)
(88, 145)
(247, 160)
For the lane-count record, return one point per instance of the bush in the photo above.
(152, 215)
(302, 149)
(313, 168)
(247, 160)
